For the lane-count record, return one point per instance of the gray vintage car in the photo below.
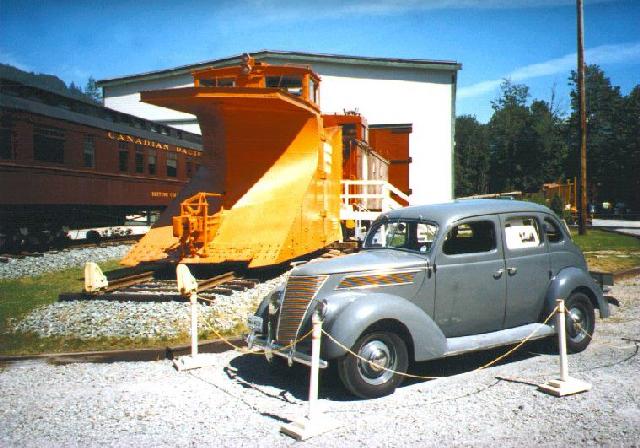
(433, 281)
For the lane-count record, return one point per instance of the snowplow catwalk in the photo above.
(269, 187)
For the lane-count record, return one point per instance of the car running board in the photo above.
(464, 344)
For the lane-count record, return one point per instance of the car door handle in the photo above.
(512, 271)
(498, 273)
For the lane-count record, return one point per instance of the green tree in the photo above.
(631, 137)
(608, 170)
(471, 157)
(510, 137)
(527, 143)
(92, 90)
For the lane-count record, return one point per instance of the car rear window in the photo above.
(522, 232)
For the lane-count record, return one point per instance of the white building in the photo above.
(384, 90)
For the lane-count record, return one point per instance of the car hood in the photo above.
(368, 260)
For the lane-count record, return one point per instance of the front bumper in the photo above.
(289, 353)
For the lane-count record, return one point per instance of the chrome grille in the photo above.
(298, 295)
(374, 280)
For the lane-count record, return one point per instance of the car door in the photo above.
(527, 268)
(470, 278)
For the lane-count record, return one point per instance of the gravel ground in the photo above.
(96, 319)
(57, 261)
(239, 401)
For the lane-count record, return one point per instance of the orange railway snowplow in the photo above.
(269, 187)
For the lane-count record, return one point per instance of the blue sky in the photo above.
(531, 41)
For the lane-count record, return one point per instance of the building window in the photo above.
(6, 144)
(172, 164)
(89, 152)
(151, 161)
(48, 145)
(123, 156)
(139, 159)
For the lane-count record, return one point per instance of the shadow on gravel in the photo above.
(250, 371)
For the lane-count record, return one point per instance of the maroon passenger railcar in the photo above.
(69, 162)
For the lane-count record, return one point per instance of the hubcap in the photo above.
(383, 356)
(577, 324)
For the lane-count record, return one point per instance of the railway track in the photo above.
(144, 287)
(4, 257)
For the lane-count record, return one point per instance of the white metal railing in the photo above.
(364, 200)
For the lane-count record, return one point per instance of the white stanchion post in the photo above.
(316, 334)
(188, 287)
(194, 324)
(566, 385)
(315, 422)
(562, 340)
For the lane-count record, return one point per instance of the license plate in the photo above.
(255, 324)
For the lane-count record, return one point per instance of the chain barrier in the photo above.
(410, 375)
(245, 351)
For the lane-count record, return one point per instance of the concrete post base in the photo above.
(306, 428)
(561, 388)
(192, 362)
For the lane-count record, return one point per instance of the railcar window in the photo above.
(6, 144)
(172, 164)
(469, 238)
(139, 159)
(290, 84)
(151, 161)
(123, 156)
(189, 168)
(89, 152)
(48, 145)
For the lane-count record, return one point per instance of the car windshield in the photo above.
(407, 234)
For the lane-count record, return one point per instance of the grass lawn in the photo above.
(608, 251)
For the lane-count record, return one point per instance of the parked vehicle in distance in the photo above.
(433, 281)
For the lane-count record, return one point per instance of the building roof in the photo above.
(294, 57)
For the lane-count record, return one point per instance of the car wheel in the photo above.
(580, 322)
(365, 380)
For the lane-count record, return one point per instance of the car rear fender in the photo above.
(572, 279)
(365, 311)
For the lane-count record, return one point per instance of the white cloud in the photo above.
(604, 54)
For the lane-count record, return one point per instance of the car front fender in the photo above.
(569, 280)
(353, 319)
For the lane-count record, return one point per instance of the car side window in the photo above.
(554, 234)
(470, 237)
(522, 232)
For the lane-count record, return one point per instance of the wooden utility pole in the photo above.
(582, 205)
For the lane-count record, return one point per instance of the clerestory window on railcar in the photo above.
(151, 161)
(89, 152)
(139, 158)
(218, 82)
(172, 164)
(48, 144)
(123, 156)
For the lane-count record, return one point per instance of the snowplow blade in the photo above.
(269, 187)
